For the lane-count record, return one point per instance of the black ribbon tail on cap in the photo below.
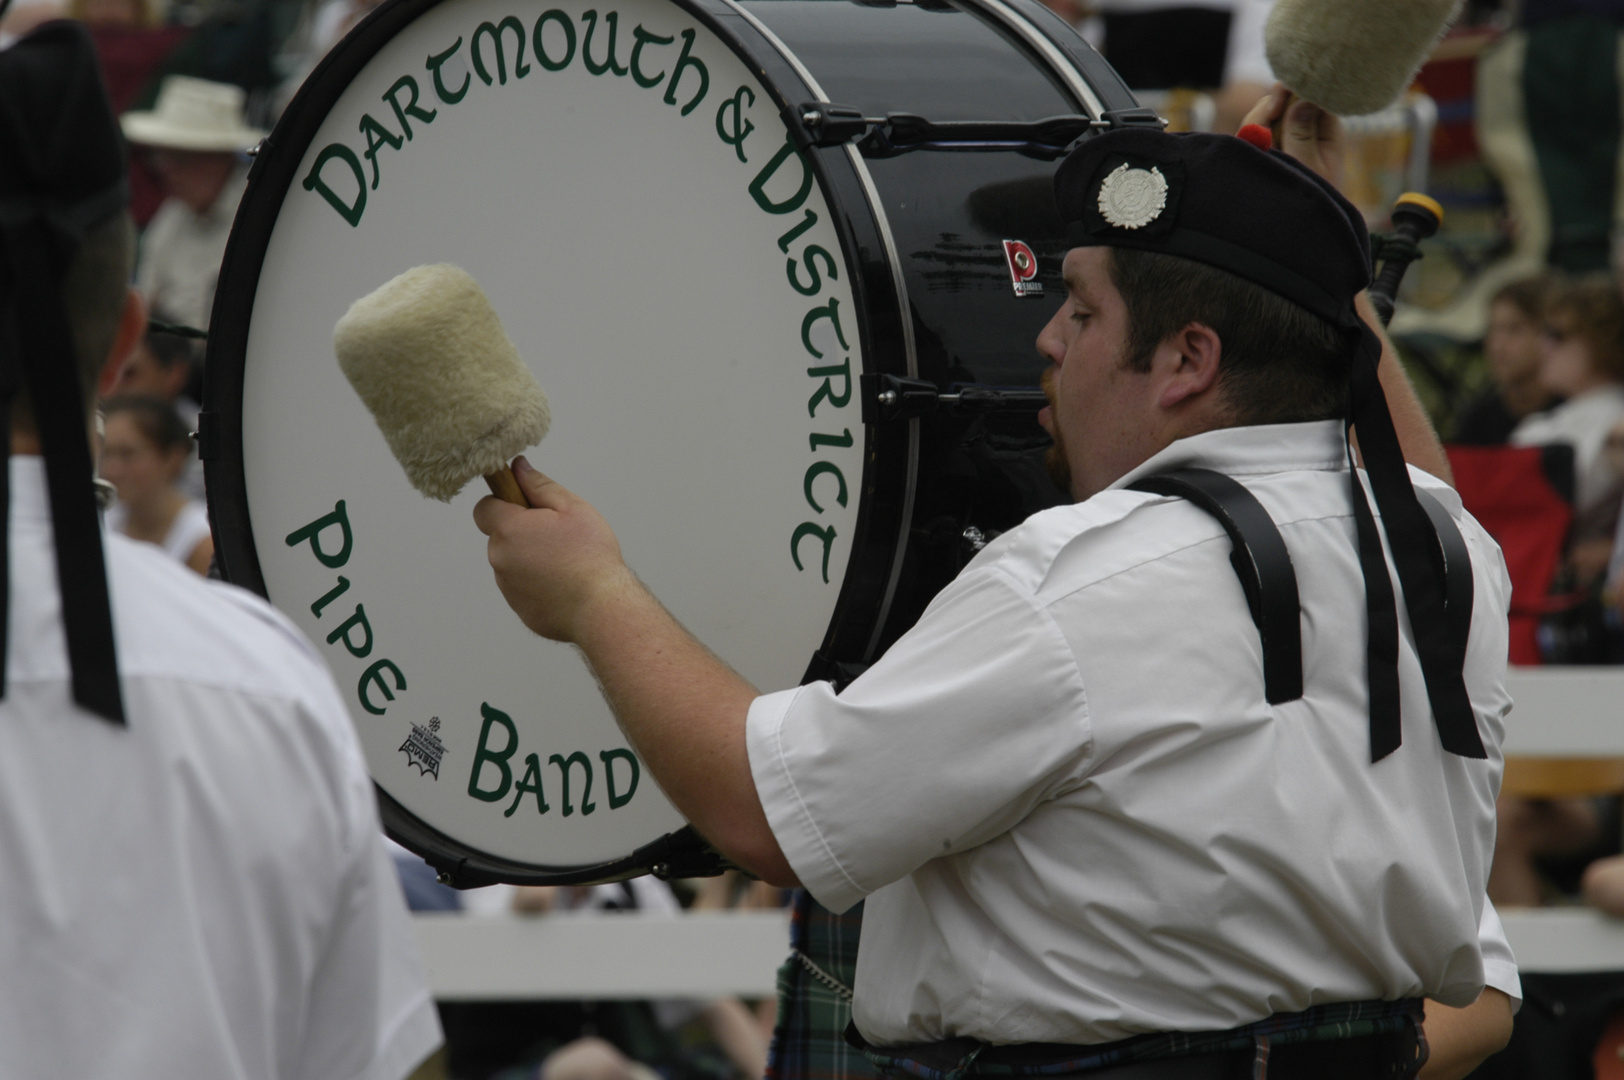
(45, 349)
(1419, 559)
(1381, 613)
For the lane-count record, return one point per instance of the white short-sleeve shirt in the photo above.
(1076, 818)
(204, 892)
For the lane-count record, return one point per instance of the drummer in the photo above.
(1087, 841)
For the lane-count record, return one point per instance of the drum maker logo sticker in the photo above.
(424, 749)
(1023, 268)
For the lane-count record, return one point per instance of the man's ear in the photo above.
(1190, 357)
(132, 327)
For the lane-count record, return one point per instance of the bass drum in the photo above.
(718, 277)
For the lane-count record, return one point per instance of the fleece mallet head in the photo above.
(429, 358)
(1353, 57)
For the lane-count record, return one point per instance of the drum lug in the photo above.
(827, 124)
(207, 436)
(974, 539)
(1131, 118)
(892, 397)
(682, 854)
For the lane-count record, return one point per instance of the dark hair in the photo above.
(1281, 363)
(1527, 295)
(155, 418)
(93, 292)
(168, 349)
(1597, 310)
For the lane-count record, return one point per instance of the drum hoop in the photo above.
(884, 328)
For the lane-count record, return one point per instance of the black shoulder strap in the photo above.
(1262, 563)
(1457, 573)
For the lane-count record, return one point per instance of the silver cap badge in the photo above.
(1132, 198)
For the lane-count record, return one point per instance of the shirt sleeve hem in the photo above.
(408, 1042)
(797, 834)
(1503, 977)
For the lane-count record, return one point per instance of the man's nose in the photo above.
(1051, 344)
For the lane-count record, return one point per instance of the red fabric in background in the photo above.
(1450, 79)
(130, 57)
(1506, 489)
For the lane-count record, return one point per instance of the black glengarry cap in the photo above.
(1258, 214)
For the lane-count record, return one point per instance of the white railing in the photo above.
(602, 955)
(1560, 713)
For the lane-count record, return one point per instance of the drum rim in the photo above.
(881, 313)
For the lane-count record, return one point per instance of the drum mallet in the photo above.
(429, 358)
(1353, 57)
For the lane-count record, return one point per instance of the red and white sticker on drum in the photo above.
(1023, 268)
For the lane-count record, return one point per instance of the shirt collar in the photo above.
(1265, 448)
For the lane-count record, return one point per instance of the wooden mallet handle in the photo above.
(505, 486)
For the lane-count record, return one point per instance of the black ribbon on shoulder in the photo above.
(61, 173)
(1418, 556)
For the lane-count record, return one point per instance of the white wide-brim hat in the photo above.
(193, 114)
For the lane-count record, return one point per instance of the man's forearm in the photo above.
(1460, 1039)
(684, 712)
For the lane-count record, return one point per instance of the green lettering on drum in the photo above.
(358, 621)
(312, 534)
(411, 108)
(564, 763)
(645, 38)
(435, 63)
(377, 137)
(687, 62)
(529, 783)
(825, 533)
(538, 45)
(493, 32)
(374, 676)
(758, 186)
(611, 20)
(735, 131)
(608, 757)
(494, 718)
(350, 211)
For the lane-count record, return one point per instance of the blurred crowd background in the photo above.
(1512, 326)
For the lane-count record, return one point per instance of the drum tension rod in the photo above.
(892, 397)
(827, 124)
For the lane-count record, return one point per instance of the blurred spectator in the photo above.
(322, 28)
(236, 42)
(132, 44)
(1212, 45)
(143, 455)
(1512, 351)
(1612, 592)
(24, 15)
(163, 367)
(1532, 831)
(192, 140)
(1582, 359)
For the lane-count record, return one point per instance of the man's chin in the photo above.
(1054, 459)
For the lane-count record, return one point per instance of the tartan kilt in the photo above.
(809, 1037)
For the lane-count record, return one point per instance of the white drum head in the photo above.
(703, 394)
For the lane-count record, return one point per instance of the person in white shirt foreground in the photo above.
(1090, 843)
(195, 884)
